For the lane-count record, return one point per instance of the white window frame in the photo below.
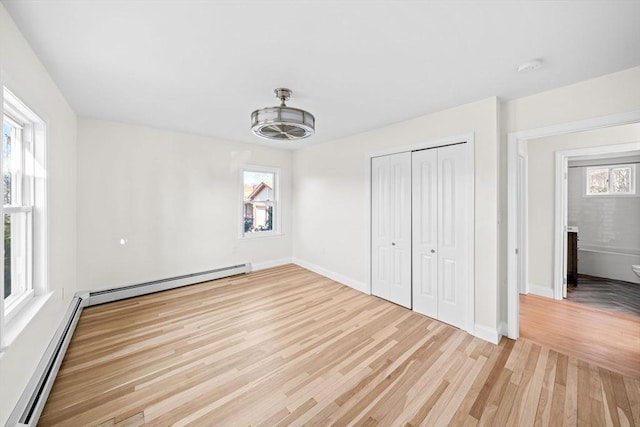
(17, 311)
(276, 203)
(632, 180)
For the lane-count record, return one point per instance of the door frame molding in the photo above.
(469, 139)
(513, 216)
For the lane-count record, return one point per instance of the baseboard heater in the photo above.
(31, 403)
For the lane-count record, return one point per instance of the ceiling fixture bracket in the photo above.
(282, 123)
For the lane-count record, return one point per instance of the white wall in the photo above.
(176, 200)
(541, 203)
(608, 227)
(330, 189)
(611, 94)
(26, 77)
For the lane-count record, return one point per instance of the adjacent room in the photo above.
(227, 213)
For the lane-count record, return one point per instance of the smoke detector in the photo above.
(530, 66)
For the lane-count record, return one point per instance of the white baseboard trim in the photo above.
(486, 333)
(358, 286)
(257, 266)
(502, 329)
(542, 291)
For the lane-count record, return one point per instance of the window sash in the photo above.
(607, 173)
(18, 254)
(256, 209)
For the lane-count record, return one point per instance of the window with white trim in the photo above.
(260, 210)
(23, 204)
(611, 180)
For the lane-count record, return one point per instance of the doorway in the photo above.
(517, 249)
(603, 218)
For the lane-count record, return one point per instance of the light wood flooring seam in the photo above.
(285, 346)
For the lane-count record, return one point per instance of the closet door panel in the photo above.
(380, 220)
(425, 232)
(391, 228)
(452, 234)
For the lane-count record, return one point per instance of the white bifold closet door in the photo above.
(440, 233)
(391, 228)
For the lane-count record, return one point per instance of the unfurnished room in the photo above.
(320, 213)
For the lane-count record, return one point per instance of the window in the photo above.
(611, 180)
(23, 203)
(259, 201)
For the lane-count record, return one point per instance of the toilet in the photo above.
(636, 269)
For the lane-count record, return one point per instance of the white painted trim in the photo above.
(421, 145)
(513, 140)
(14, 327)
(524, 231)
(269, 264)
(471, 248)
(542, 291)
(347, 281)
(469, 138)
(486, 333)
(560, 225)
(502, 329)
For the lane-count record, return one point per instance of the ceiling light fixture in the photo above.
(282, 123)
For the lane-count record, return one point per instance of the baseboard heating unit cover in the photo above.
(31, 403)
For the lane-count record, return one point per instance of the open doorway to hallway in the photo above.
(607, 242)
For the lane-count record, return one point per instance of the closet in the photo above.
(421, 214)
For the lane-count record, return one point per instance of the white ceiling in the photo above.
(204, 66)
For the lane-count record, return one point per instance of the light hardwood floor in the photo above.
(600, 336)
(288, 347)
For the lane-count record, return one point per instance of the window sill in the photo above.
(260, 235)
(21, 319)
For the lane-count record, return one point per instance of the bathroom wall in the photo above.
(608, 226)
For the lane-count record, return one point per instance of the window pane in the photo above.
(16, 249)
(621, 180)
(259, 201)
(597, 181)
(8, 133)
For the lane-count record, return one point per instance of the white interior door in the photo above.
(391, 228)
(441, 233)
(453, 237)
(425, 232)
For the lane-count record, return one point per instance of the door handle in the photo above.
(393, 244)
(433, 251)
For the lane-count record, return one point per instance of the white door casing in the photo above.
(441, 233)
(391, 228)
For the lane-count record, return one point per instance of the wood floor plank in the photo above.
(285, 346)
(605, 338)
